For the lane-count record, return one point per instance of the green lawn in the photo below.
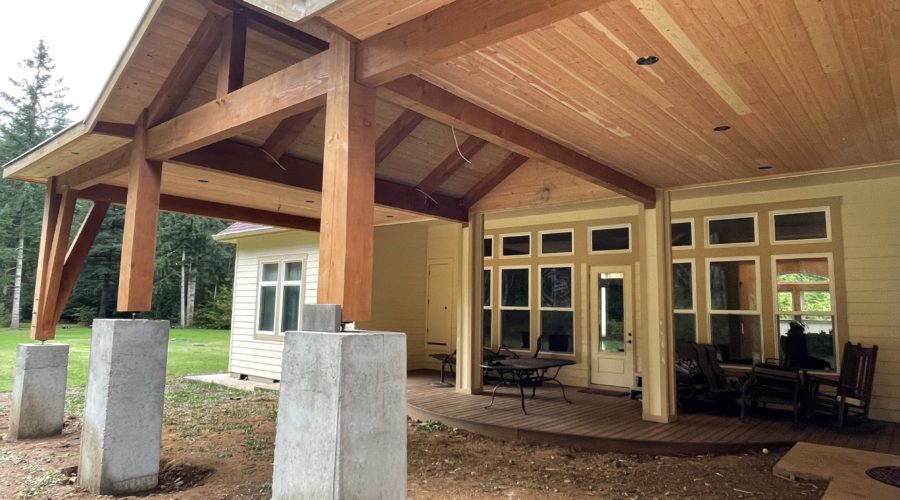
(190, 352)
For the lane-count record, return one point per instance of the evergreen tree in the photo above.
(31, 115)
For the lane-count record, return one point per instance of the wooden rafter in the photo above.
(78, 253)
(455, 29)
(178, 204)
(124, 130)
(187, 69)
(247, 161)
(97, 170)
(287, 132)
(395, 134)
(232, 54)
(453, 162)
(442, 106)
(509, 165)
(283, 94)
(52, 201)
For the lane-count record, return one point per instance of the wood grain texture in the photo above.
(395, 134)
(494, 178)
(232, 52)
(348, 188)
(77, 255)
(47, 318)
(453, 162)
(97, 170)
(52, 201)
(287, 132)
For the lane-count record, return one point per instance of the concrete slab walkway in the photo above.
(228, 381)
(844, 467)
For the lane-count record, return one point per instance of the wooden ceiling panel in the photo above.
(472, 173)
(364, 18)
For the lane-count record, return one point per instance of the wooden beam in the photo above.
(493, 178)
(346, 241)
(178, 204)
(141, 220)
(78, 253)
(286, 33)
(440, 105)
(232, 52)
(96, 171)
(283, 94)
(124, 130)
(287, 132)
(395, 134)
(455, 29)
(187, 69)
(247, 161)
(453, 162)
(52, 201)
(47, 319)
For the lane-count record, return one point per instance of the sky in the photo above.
(85, 38)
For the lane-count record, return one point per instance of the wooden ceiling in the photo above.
(805, 85)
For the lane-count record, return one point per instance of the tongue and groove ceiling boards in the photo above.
(542, 116)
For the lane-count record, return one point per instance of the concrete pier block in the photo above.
(123, 406)
(341, 430)
(39, 391)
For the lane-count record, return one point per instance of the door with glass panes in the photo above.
(612, 340)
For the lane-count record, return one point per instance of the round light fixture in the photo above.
(647, 60)
(722, 128)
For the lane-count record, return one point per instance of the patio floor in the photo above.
(610, 423)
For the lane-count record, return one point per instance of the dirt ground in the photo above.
(218, 444)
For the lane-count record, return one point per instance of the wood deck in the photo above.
(610, 423)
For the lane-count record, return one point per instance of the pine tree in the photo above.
(31, 115)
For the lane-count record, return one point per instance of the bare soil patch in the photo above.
(218, 444)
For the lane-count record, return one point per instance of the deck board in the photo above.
(609, 423)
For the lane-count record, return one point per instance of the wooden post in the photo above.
(46, 328)
(348, 188)
(141, 218)
(468, 343)
(48, 228)
(657, 359)
(78, 253)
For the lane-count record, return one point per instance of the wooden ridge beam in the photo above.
(169, 203)
(455, 29)
(247, 161)
(442, 106)
(453, 162)
(283, 94)
(232, 52)
(78, 253)
(52, 202)
(187, 69)
(509, 165)
(96, 171)
(395, 134)
(287, 132)
(272, 27)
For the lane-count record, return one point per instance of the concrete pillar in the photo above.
(341, 430)
(39, 391)
(123, 406)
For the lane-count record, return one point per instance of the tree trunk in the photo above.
(192, 295)
(182, 317)
(17, 284)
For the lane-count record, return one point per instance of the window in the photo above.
(731, 230)
(685, 317)
(280, 298)
(734, 319)
(515, 245)
(683, 233)
(608, 239)
(556, 242)
(805, 312)
(515, 307)
(488, 313)
(557, 315)
(809, 225)
(488, 247)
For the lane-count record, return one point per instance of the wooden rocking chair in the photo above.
(848, 396)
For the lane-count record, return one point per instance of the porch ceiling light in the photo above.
(765, 167)
(203, 181)
(722, 128)
(647, 60)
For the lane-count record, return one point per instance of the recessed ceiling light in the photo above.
(647, 60)
(310, 201)
(389, 216)
(203, 181)
(722, 128)
(765, 167)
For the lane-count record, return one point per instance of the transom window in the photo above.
(488, 247)
(683, 233)
(610, 239)
(280, 296)
(515, 245)
(798, 226)
(731, 230)
(805, 317)
(556, 242)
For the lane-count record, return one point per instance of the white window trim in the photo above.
(279, 284)
(490, 306)
(826, 239)
(513, 235)
(748, 312)
(500, 307)
(708, 218)
(570, 309)
(693, 311)
(493, 248)
(541, 234)
(590, 238)
(693, 244)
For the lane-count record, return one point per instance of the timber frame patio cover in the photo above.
(215, 110)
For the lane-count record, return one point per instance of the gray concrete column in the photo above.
(123, 406)
(341, 430)
(39, 391)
